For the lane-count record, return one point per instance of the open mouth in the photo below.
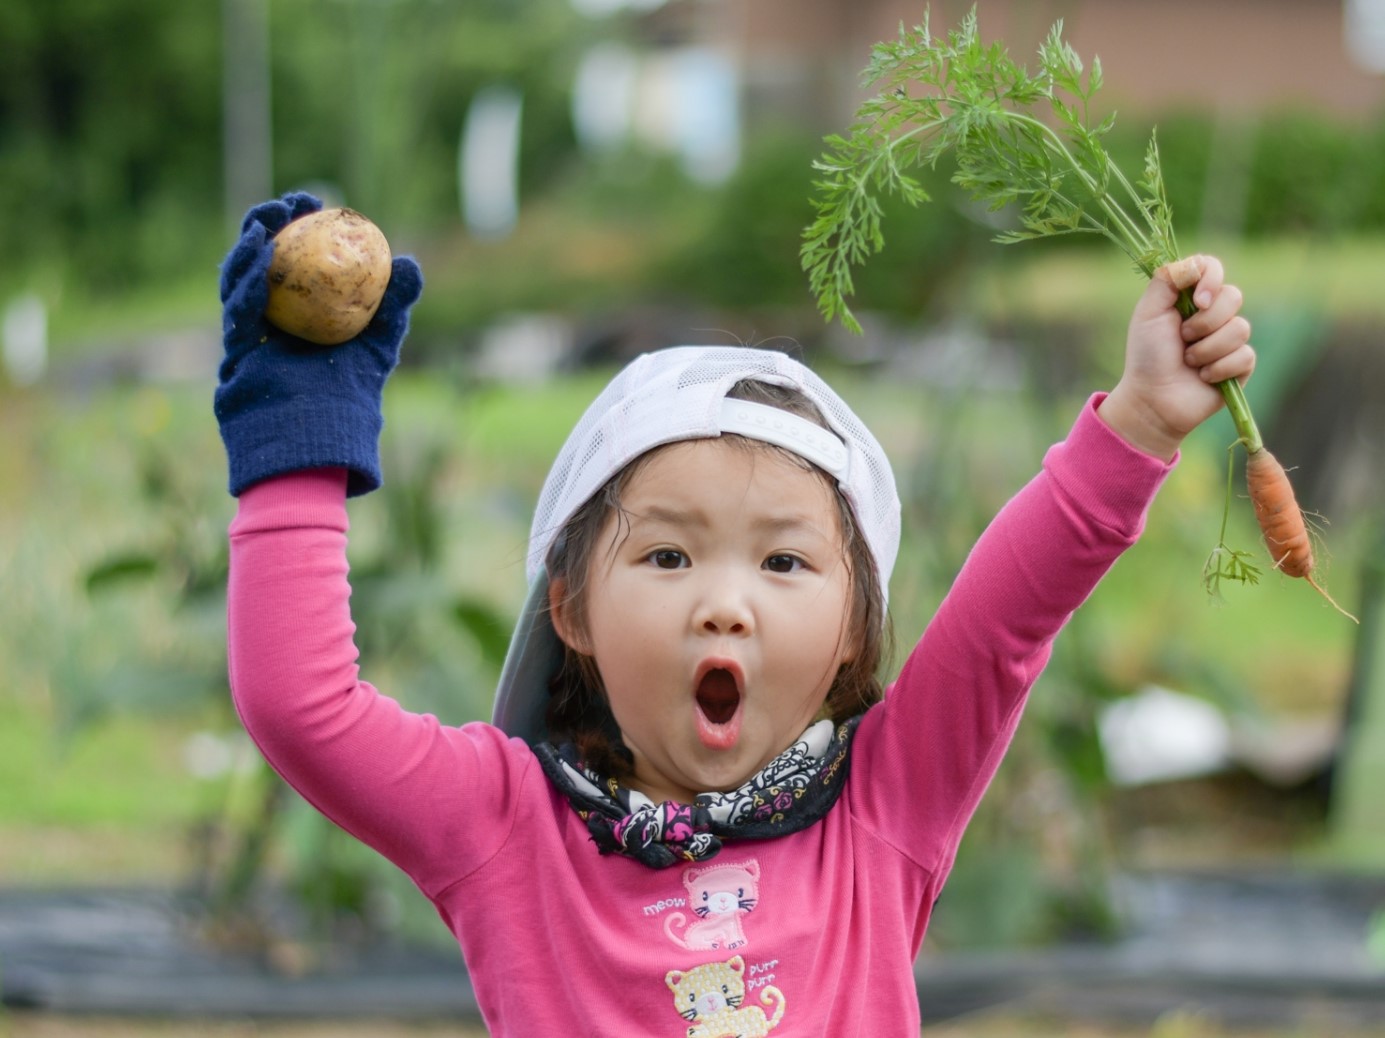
(718, 696)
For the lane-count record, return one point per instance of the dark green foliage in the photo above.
(745, 256)
(111, 174)
(111, 119)
(109, 133)
(1311, 175)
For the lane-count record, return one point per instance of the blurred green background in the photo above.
(583, 181)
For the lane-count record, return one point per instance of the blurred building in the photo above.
(801, 59)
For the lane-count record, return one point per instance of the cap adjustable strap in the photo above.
(772, 425)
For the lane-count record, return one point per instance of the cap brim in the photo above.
(535, 656)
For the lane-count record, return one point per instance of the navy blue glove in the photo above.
(286, 404)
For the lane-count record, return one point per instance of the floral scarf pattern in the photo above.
(789, 793)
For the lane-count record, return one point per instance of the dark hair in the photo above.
(578, 709)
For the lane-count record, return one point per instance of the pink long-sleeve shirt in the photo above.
(824, 924)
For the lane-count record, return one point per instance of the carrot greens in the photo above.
(1020, 140)
(957, 95)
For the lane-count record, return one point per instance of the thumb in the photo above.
(390, 323)
(405, 284)
(1183, 273)
(1167, 282)
(1159, 298)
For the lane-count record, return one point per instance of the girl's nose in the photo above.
(724, 609)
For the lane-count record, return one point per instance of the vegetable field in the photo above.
(123, 764)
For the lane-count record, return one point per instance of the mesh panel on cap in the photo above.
(675, 394)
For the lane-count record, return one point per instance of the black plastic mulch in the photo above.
(1282, 949)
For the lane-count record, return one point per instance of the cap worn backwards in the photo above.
(664, 397)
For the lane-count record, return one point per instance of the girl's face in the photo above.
(717, 611)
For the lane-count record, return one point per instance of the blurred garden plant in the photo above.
(442, 646)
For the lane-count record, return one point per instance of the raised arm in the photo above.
(301, 425)
(949, 718)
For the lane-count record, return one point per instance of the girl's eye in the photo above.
(783, 563)
(668, 558)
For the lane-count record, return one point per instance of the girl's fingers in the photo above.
(1227, 337)
(1223, 354)
(1223, 307)
(1210, 285)
(1238, 364)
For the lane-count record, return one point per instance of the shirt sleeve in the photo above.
(435, 800)
(934, 745)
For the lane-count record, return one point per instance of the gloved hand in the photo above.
(284, 403)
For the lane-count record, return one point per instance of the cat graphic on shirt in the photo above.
(720, 896)
(712, 999)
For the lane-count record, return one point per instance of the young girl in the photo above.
(697, 812)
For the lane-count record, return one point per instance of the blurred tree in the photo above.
(372, 94)
(746, 255)
(111, 119)
(109, 133)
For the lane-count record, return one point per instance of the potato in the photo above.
(327, 276)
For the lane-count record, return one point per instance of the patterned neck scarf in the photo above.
(789, 793)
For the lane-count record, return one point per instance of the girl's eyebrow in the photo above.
(694, 517)
(667, 516)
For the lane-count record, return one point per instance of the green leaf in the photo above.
(960, 98)
(487, 627)
(1094, 79)
(120, 569)
(1226, 563)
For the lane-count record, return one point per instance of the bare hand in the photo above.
(1172, 365)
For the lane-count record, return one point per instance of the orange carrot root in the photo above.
(1281, 521)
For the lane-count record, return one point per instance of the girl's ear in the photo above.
(560, 611)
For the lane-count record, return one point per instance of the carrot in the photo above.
(1282, 523)
(1028, 140)
(1283, 526)
(1276, 509)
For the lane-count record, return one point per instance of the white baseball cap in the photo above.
(663, 397)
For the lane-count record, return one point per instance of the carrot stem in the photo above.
(1239, 408)
(1247, 432)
